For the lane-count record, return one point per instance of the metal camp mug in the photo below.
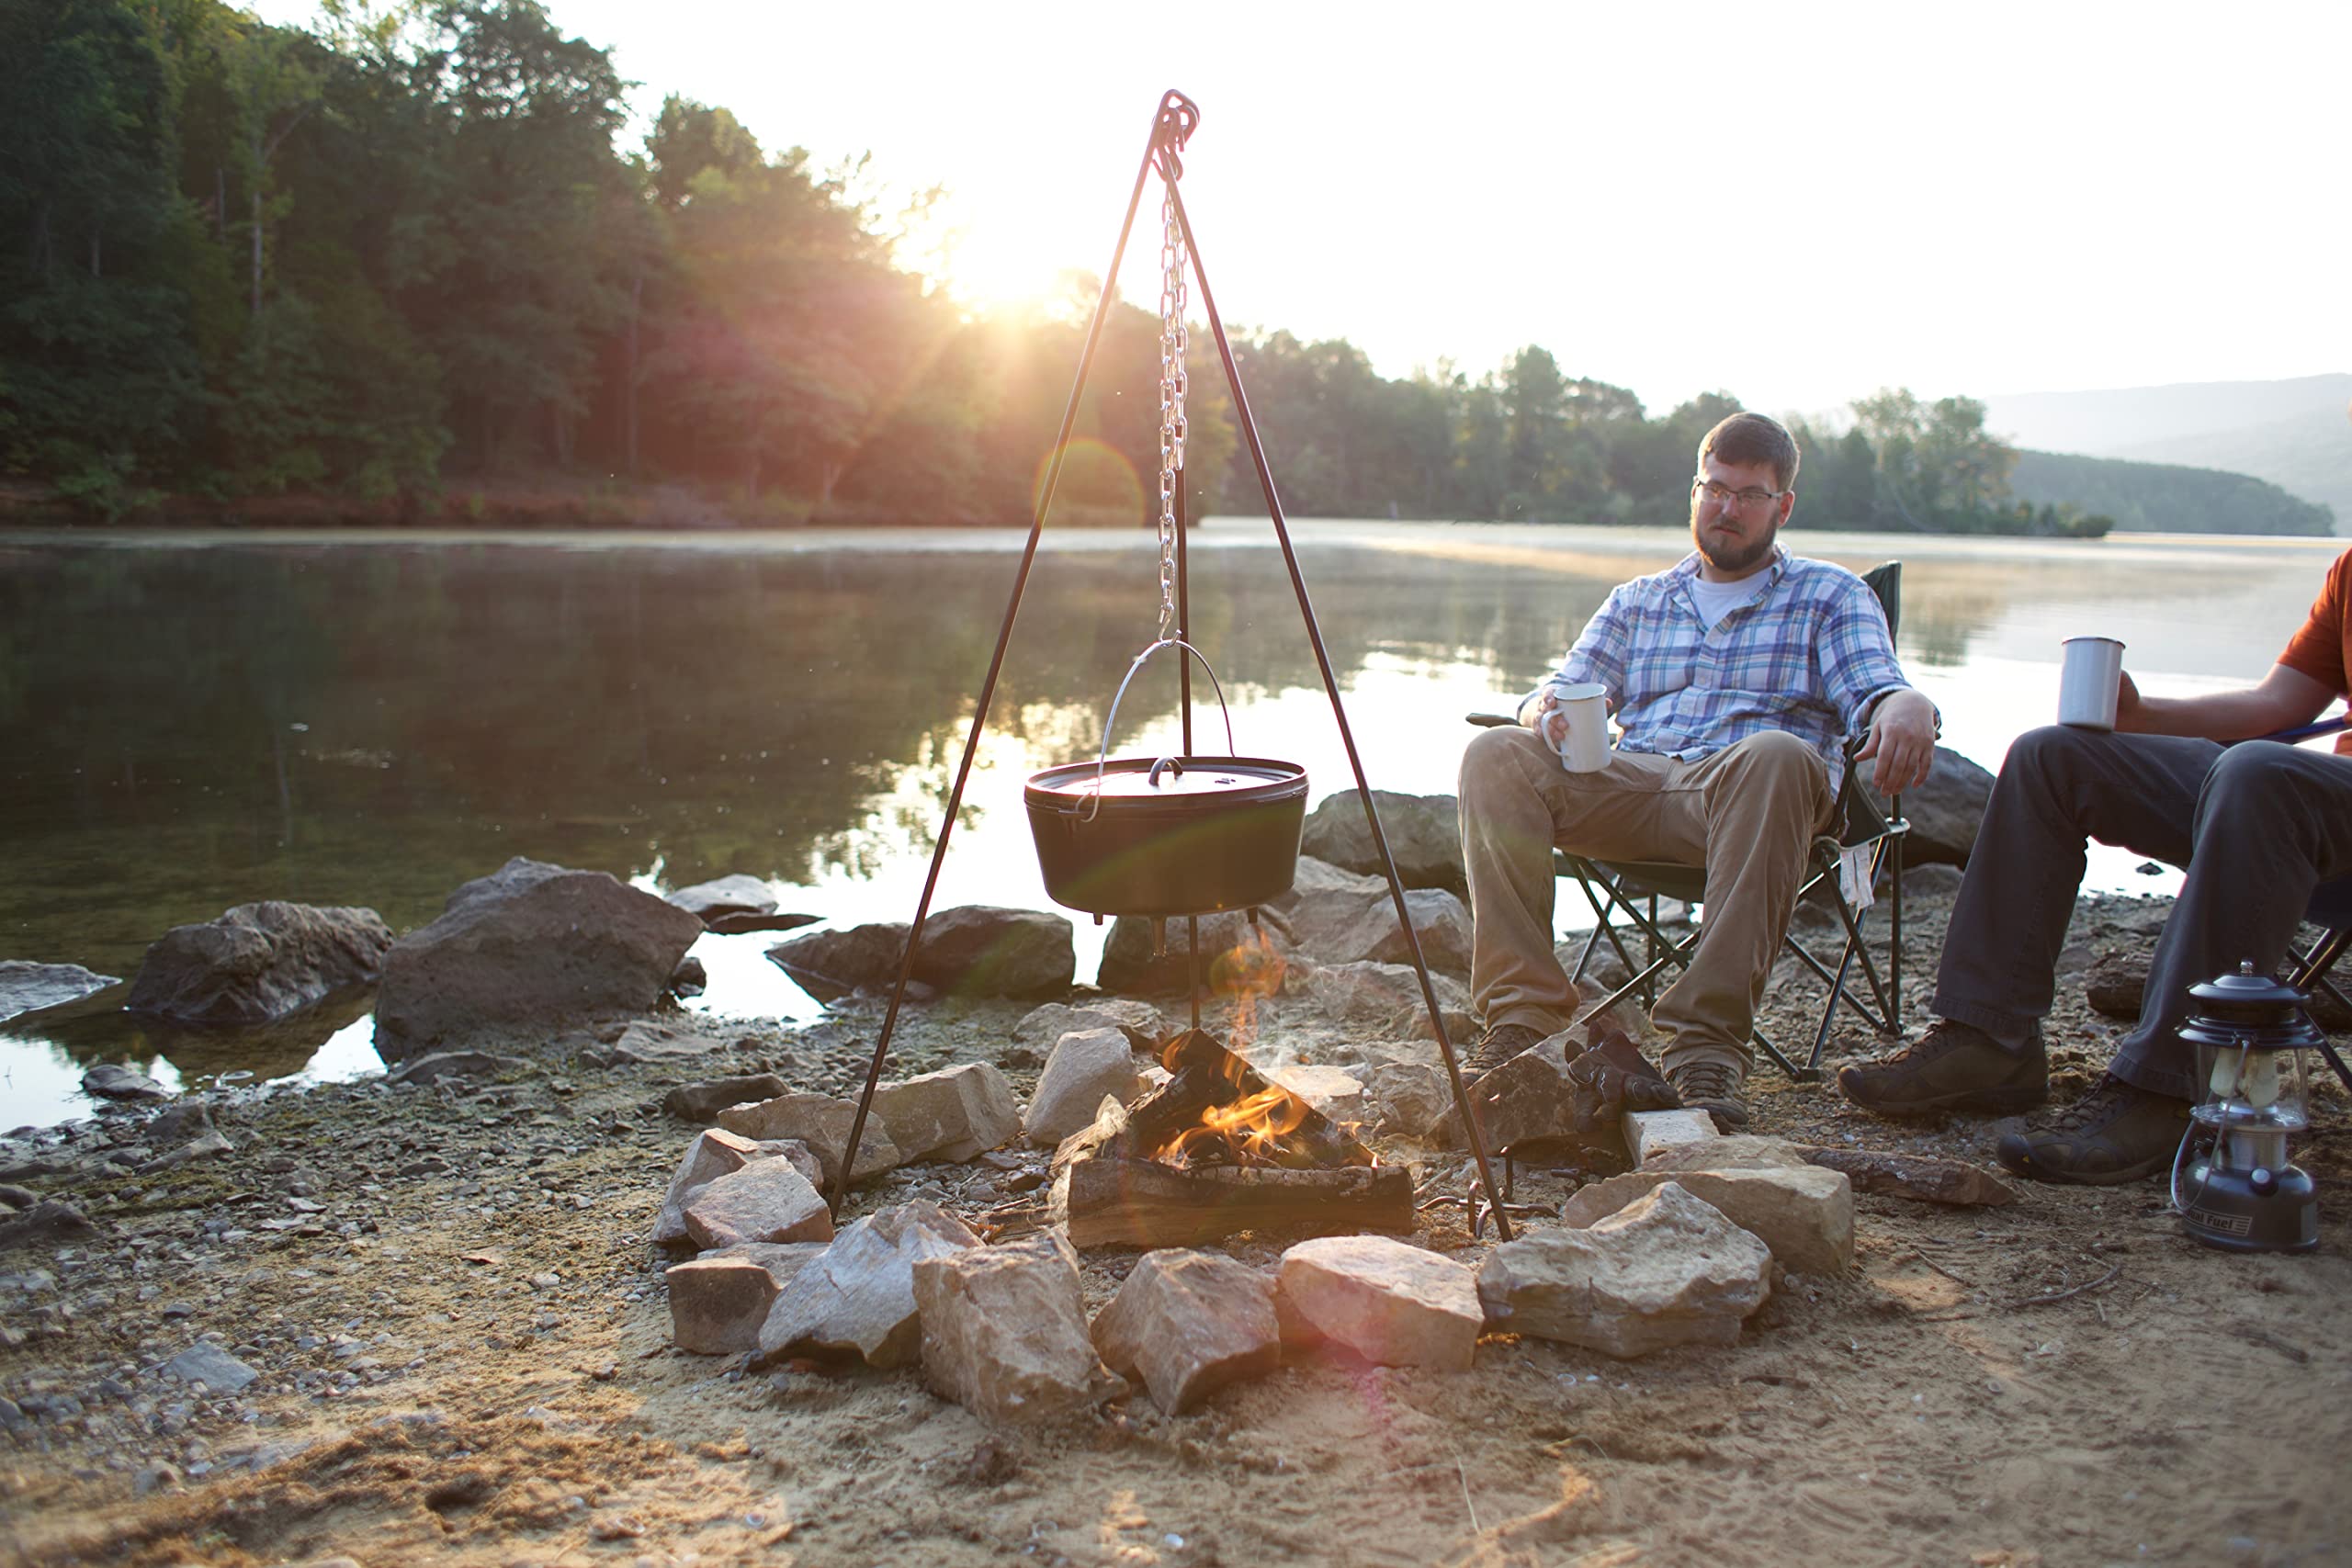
(2089, 681)
(1583, 707)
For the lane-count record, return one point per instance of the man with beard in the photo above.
(1735, 676)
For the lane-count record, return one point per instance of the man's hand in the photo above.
(1538, 717)
(1903, 739)
(2130, 714)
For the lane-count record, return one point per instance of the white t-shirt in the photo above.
(1716, 600)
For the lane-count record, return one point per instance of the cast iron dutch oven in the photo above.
(1167, 836)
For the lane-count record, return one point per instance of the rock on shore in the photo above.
(258, 962)
(529, 947)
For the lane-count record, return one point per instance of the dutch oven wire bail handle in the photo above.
(1102, 758)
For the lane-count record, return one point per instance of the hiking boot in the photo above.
(2114, 1134)
(1713, 1087)
(1497, 1046)
(1952, 1067)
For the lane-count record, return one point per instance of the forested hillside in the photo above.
(2166, 498)
(375, 271)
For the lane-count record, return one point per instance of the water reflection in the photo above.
(184, 726)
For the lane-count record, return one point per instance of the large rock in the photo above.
(831, 965)
(1667, 1270)
(718, 1153)
(1004, 1331)
(718, 1301)
(1359, 924)
(858, 1296)
(528, 949)
(820, 1122)
(976, 949)
(1233, 953)
(1391, 1302)
(1944, 810)
(1526, 1100)
(736, 895)
(28, 987)
(1188, 1324)
(1424, 834)
(973, 949)
(259, 961)
(1804, 1214)
(767, 1201)
(951, 1114)
(1086, 1064)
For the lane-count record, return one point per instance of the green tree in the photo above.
(99, 375)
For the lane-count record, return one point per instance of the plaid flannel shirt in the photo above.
(1811, 655)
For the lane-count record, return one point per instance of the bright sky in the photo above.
(1984, 199)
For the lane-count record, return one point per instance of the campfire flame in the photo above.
(1253, 1124)
(1251, 1127)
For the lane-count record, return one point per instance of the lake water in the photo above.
(193, 721)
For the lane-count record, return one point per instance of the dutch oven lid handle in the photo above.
(1102, 758)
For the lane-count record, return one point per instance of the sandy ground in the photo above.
(465, 1352)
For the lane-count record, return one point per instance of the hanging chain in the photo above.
(1171, 391)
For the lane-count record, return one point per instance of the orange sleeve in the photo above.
(2317, 650)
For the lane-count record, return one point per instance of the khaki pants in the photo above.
(1749, 814)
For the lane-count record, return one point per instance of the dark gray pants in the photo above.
(2258, 825)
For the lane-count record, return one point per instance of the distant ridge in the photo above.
(2292, 433)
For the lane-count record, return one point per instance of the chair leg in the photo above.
(1602, 911)
(1892, 846)
(2310, 973)
(1858, 948)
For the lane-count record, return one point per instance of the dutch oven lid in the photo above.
(1169, 778)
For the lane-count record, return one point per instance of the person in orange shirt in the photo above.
(2258, 823)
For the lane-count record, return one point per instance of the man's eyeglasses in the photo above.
(1724, 495)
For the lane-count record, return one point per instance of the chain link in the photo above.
(1172, 387)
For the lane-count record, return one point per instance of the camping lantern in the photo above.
(2238, 1191)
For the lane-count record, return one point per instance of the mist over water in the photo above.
(187, 723)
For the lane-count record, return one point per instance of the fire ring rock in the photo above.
(1004, 1331)
(858, 1295)
(1391, 1302)
(529, 947)
(258, 962)
(1188, 1324)
(1666, 1270)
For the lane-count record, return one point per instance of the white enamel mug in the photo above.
(1584, 705)
(2090, 681)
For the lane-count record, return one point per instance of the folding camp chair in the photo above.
(1634, 889)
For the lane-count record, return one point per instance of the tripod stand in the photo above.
(1172, 126)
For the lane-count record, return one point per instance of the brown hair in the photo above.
(1753, 438)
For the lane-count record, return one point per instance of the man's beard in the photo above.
(1734, 560)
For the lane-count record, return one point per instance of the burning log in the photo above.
(1214, 1150)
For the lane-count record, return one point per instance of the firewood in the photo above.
(1105, 1199)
